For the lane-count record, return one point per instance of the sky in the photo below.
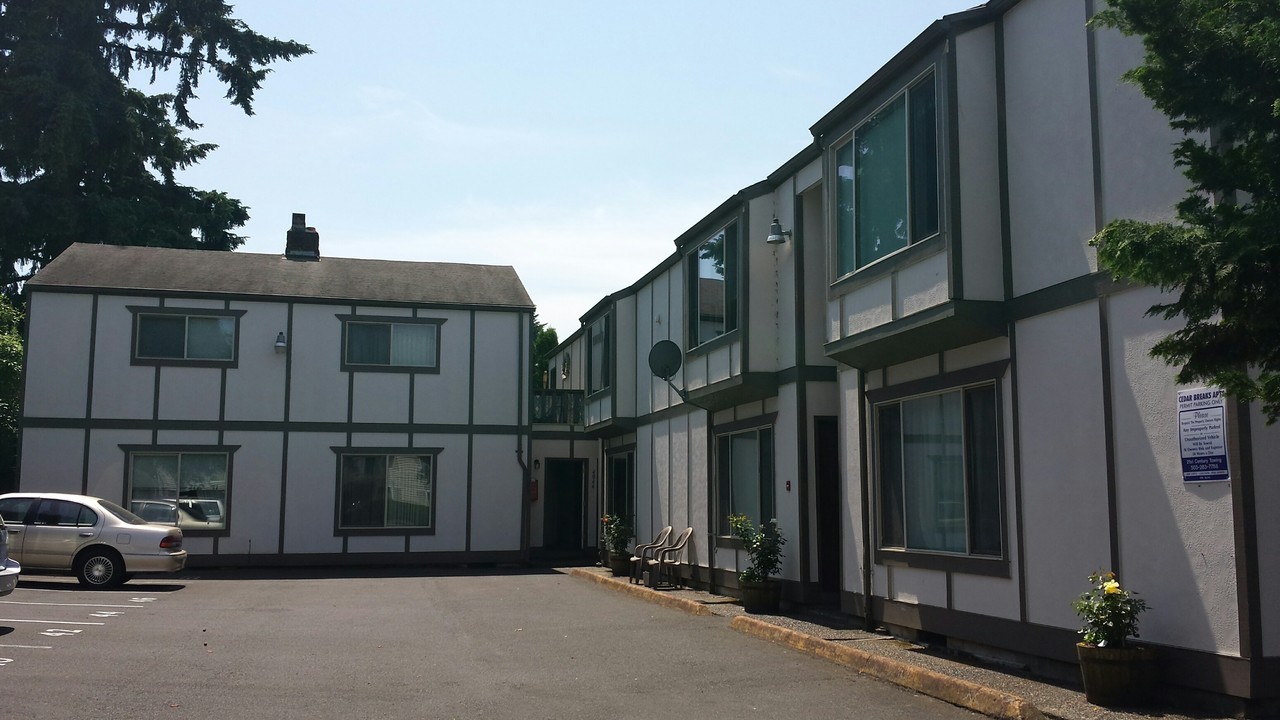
(571, 140)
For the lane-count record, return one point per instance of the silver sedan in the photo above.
(99, 541)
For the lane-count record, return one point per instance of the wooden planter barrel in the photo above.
(1117, 677)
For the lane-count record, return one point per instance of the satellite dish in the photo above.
(665, 359)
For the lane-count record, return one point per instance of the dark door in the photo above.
(826, 449)
(562, 506)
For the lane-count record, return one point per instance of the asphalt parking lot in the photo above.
(462, 644)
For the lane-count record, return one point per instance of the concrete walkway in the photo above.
(993, 691)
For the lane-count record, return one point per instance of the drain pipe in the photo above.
(864, 487)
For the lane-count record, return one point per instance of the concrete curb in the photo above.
(963, 693)
(644, 593)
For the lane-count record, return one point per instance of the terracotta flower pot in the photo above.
(1117, 677)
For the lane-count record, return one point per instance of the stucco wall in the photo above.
(1176, 543)
(979, 239)
(1050, 156)
(1064, 472)
(58, 354)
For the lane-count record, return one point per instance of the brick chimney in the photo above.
(302, 242)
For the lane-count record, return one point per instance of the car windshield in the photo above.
(122, 514)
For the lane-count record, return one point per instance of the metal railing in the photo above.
(559, 407)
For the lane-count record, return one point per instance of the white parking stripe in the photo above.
(49, 622)
(63, 604)
(29, 647)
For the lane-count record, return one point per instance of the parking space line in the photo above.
(29, 647)
(49, 622)
(92, 605)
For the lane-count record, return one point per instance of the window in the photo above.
(64, 513)
(713, 286)
(187, 488)
(381, 491)
(744, 476)
(887, 179)
(176, 336)
(598, 355)
(619, 499)
(395, 344)
(938, 472)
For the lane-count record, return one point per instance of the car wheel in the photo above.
(100, 568)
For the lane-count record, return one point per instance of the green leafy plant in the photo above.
(617, 533)
(763, 546)
(1110, 612)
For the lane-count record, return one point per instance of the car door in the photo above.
(14, 512)
(58, 529)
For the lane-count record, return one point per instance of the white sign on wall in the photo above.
(1202, 435)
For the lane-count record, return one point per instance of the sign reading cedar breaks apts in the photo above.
(1202, 435)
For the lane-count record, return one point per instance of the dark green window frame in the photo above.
(167, 336)
(960, 451)
(739, 490)
(713, 286)
(376, 357)
(888, 178)
(354, 511)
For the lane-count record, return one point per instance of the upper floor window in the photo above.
(598, 355)
(887, 179)
(390, 344)
(713, 286)
(177, 336)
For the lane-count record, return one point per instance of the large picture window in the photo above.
(379, 491)
(174, 336)
(187, 488)
(744, 476)
(713, 286)
(939, 474)
(397, 345)
(887, 179)
(598, 355)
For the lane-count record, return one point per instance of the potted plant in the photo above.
(760, 593)
(1115, 672)
(617, 533)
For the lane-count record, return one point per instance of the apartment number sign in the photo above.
(1202, 435)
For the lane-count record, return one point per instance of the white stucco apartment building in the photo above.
(286, 409)
(949, 408)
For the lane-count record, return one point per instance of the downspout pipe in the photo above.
(865, 488)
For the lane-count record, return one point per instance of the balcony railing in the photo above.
(558, 407)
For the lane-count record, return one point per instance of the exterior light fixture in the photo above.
(777, 235)
(281, 343)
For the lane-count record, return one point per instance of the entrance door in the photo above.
(563, 508)
(826, 449)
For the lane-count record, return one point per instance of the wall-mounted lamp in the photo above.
(281, 343)
(777, 235)
(537, 464)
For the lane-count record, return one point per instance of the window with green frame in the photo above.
(187, 488)
(390, 344)
(713, 286)
(379, 491)
(744, 476)
(598, 355)
(938, 472)
(181, 336)
(887, 182)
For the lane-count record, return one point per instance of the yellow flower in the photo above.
(1111, 587)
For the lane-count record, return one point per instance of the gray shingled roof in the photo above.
(117, 267)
